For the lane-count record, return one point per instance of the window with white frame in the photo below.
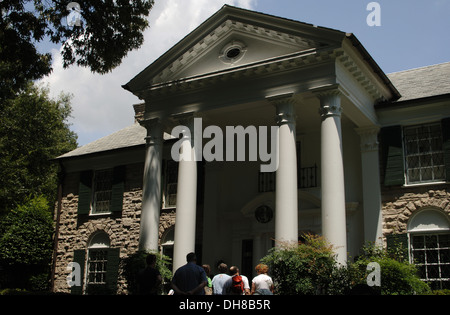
(102, 191)
(98, 259)
(429, 238)
(170, 184)
(424, 153)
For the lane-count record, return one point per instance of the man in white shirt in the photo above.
(219, 280)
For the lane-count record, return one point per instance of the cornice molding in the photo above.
(360, 76)
(255, 70)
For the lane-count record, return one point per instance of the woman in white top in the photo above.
(262, 284)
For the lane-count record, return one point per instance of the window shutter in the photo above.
(392, 159)
(85, 192)
(118, 186)
(446, 146)
(79, 256)
(112, 270)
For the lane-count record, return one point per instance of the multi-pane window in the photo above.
(102, 191)
(424, 153)
(97, 262)
(431, 253)
(171, 180)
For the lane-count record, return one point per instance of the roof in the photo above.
(422, 82)
(130, 136)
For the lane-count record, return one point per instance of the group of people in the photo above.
(231, 282)
(192, 279)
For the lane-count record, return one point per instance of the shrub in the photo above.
(304, 269)
(136, 262)
(398, 276)
(310, 269)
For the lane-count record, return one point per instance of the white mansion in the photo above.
(361, 155)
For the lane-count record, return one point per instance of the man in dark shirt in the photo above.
(189, 279)
(149, 278)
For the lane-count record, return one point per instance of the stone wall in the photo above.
(123, 229)
(400, 203)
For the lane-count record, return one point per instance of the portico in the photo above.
(242, 68)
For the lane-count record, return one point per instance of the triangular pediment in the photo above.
(233, 38)
(232, 45)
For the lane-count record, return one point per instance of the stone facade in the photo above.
(123, 229)
(399, 204)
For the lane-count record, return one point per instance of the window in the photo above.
(98, 258)
(415, 154)
(170, 185)
(424, 153)
(233, 52)
(431, 253)
(102, 191)
(429, 239)
(97, 266)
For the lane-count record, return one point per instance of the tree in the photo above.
(104, 32)
(26, 242)
(34, 130)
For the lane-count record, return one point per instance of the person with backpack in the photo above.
(238, 284)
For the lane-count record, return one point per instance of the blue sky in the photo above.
(413, 33)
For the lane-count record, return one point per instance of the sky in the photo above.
(411, 34)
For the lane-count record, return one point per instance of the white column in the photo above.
(286, 199)
(332, 173)
(373, 230)
(185, 220)
(151, 196)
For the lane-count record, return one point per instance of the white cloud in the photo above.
(100, 105)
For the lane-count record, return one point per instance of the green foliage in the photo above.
(398, 276)
(33, 131)
(310, 269)
(26, 234)
(301, 270)
(26, 244)
(134, 263)
(108, 30)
